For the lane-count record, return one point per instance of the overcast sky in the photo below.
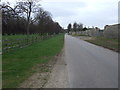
(89, 12)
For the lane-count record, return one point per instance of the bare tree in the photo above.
(43, 18)
(80, 27)
(9, 17)
(69, 27)
(28, 8)
(20, 17)
(75, 27)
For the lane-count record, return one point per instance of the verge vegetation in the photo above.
(109, 43)
(17, 65)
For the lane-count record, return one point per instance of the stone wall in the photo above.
(91, 32)
(111, 31)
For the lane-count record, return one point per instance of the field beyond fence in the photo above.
(11, 42)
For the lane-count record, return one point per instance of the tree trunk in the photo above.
(28, 28)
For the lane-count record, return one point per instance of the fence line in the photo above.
(11, 44)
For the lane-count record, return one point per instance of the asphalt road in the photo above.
(90, 66)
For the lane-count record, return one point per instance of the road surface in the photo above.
(90, 66)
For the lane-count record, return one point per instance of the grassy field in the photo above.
(17, 65)
(18, 36)
(106, 42)
(11, 42)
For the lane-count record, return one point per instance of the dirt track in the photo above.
(59, 75)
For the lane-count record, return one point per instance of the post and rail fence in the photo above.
(9, 44)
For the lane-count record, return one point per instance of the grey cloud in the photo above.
(64, 12)
(63, 8)
(69, 12)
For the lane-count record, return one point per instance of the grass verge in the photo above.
(109, 43)
(17, 65)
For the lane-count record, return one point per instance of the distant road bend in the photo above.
(90, 66)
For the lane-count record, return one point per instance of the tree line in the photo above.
(75, 27)
(27, 18)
